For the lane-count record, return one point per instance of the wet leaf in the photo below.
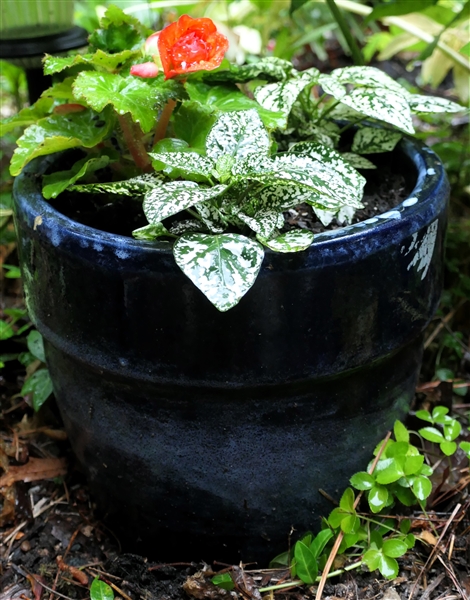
(34, 470)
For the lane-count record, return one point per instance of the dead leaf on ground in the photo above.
(33, 470)
(199, 587)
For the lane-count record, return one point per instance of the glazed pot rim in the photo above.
(431, 179)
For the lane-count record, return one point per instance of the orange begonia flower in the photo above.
(190, 45)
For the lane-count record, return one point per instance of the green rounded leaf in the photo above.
(388, 567)
(432, 434)
(347, 500)
(362, 481)
(36, 345)
(448, 448)
(350, 524)
(377, 498)
(40, 386)
(422, 487)
(401, 432)
(224, 581)
(394, 548)
(99, 590)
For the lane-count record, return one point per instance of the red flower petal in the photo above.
(146, 70)
(190, 45)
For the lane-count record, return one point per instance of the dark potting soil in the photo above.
(387, 186)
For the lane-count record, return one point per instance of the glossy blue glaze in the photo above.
(221, 427)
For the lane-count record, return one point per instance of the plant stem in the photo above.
(163, 121)
(339, 18)
(332, 106)
(133, 138)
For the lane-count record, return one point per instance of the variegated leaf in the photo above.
(171, 198)
(150, 232)
(369, 140)
(187, 165)
(344, 216)
(187, 226)
(239, 134)
(381, 104)
(211, 217)
(264, 221)
(432, 104)
(329, 186)
(358, 161)
(283, 196)
(330, 85)
(135, 186)
(279, 97)
(335, 161)
(223, 267)
(292, 241)
(369, 77)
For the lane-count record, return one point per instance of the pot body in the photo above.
(209, 435)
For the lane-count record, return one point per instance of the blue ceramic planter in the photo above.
(206, 434)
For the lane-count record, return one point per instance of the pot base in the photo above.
(225, 474)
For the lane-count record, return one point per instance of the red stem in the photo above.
(163, 121)
(133, 138)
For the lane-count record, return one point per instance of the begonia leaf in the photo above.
(119, 32)
(54, 133)
(126, 95)
(99, 60)
(57, 182)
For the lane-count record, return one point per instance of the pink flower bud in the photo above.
(146, 70)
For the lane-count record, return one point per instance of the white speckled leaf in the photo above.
(264, 221)
(330, 186)
(238, 134)
(333, 160)
(432, 104)
(344, 216)
(150, 232)
(171, 198)
(211, 217)
(368, 76)
(136, 186)
(292, 241)
(383, 105)
(188, 165)
(187, 226)
(369, 140)
(223, 267)
(283, 196)
(330, 85)
(357, 161)
(279, 97)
